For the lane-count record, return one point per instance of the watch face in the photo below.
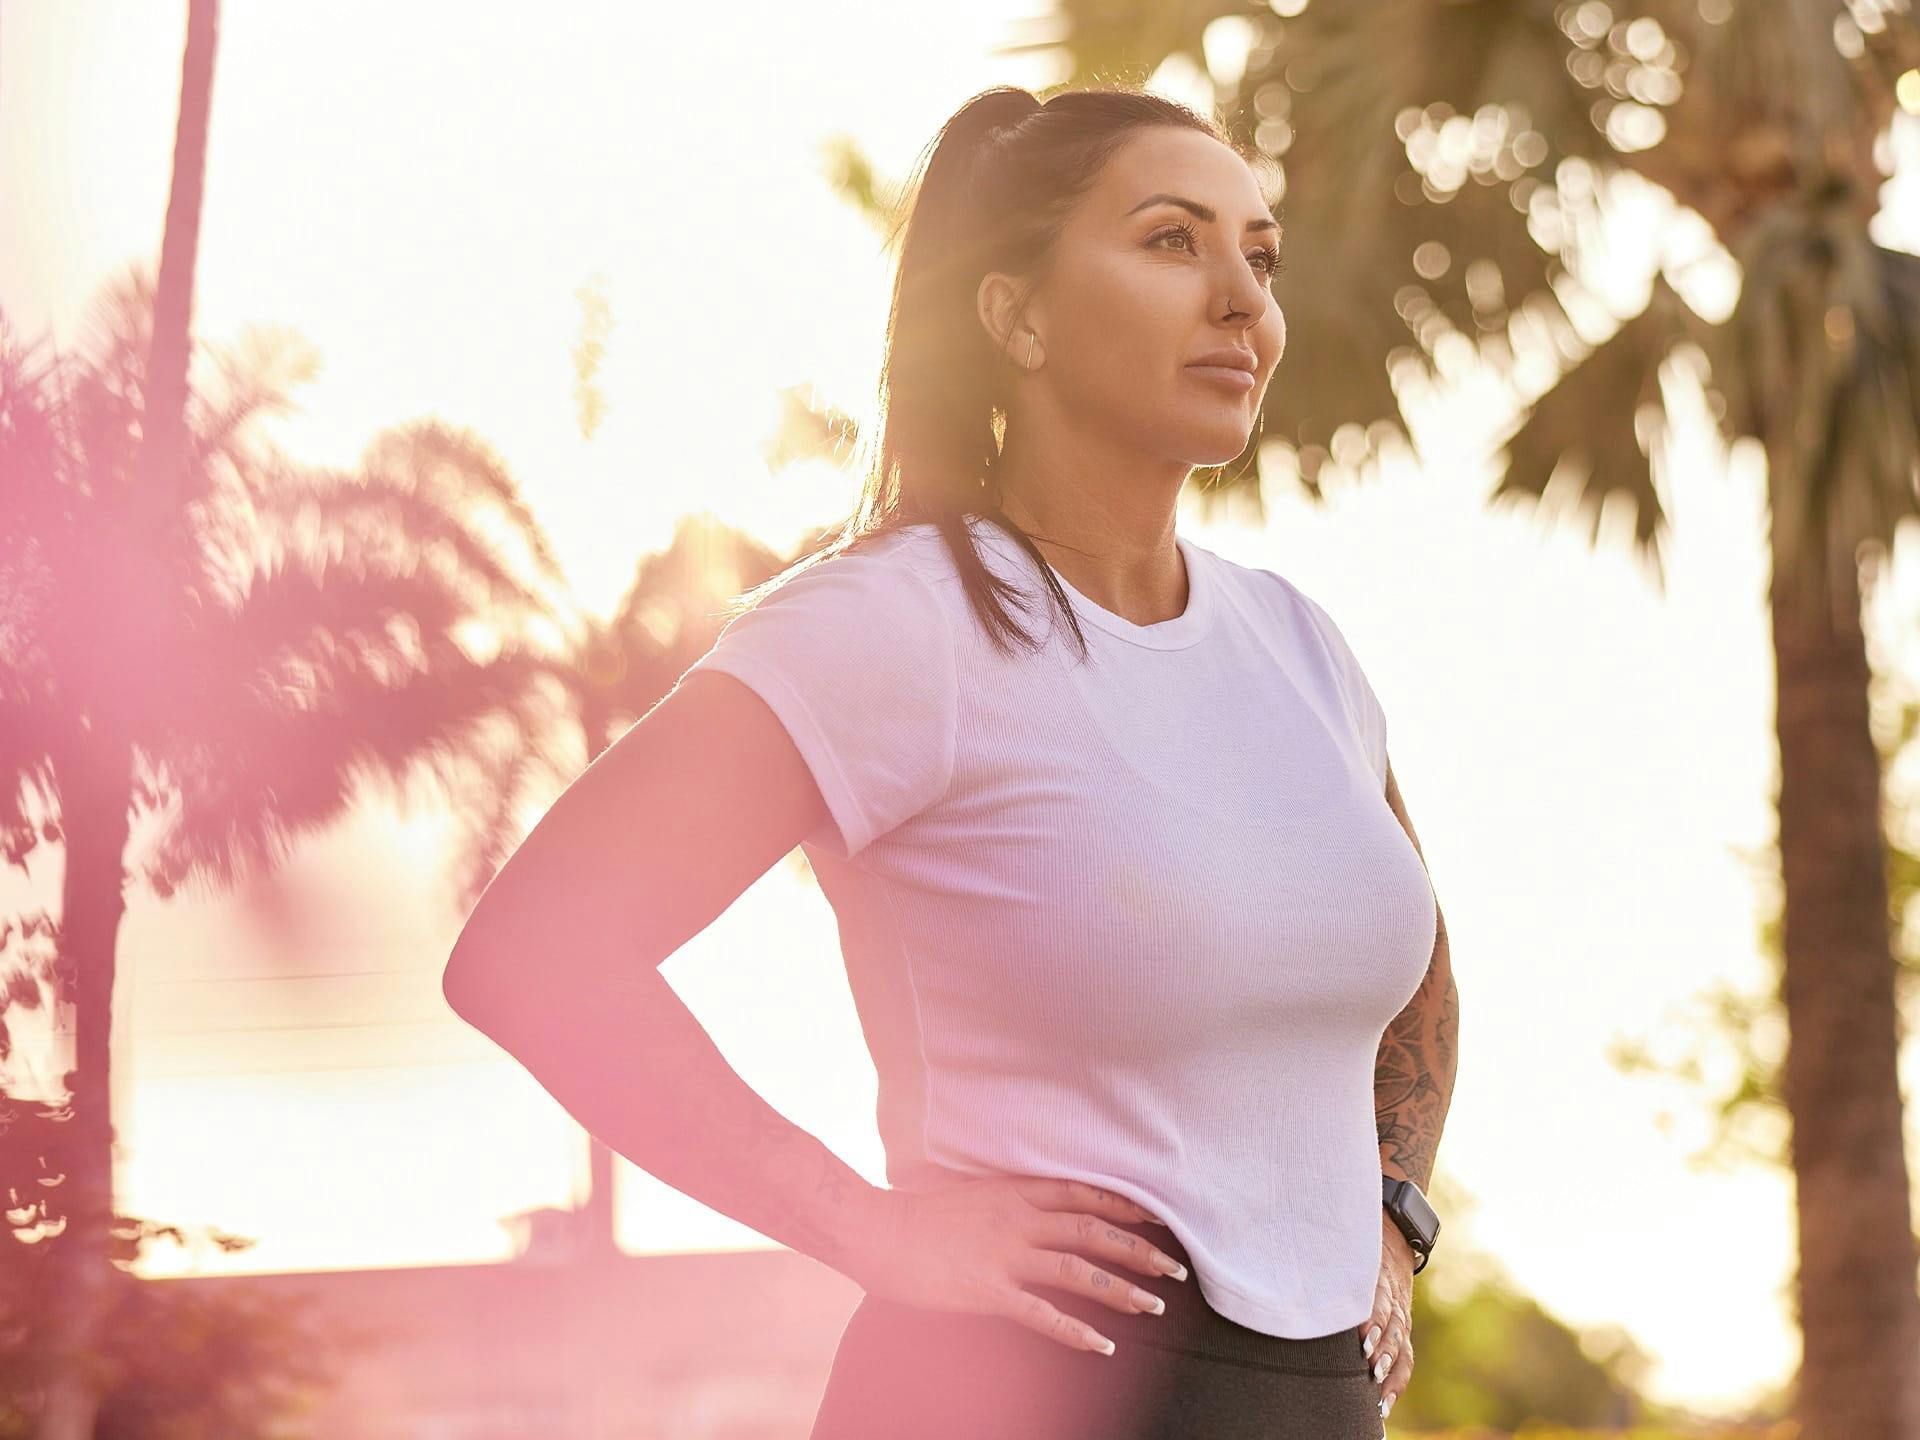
(1420, 1212)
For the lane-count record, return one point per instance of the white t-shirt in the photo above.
(1140, 921)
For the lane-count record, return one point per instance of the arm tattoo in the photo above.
(1413, 1077)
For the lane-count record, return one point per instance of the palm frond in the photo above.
(268, 771)
(258, 373)
(1821, 360)
(384, 518)
(461, 473)
(1585, 417)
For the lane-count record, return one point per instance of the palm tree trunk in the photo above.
(156, 495)
(96, 783)
(1859, 1314)
(96, 793)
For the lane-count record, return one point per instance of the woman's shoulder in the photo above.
(923, 544)
(910, 544)
(1281, 597)
(923, 550)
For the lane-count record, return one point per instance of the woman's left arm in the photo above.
(1413, 1076)
(1412, 1087)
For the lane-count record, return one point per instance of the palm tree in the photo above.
(588, 679)
(71, 1402)
(199, 633)
(1444, 163)
(230, 676)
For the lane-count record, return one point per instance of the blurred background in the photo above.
(392, 395)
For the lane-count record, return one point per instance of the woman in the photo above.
(1141, 941)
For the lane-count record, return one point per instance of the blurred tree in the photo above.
(95, 790)
(1496, 1359)
(228, 674)
(198, 633)
(317, 631)
(1445, 167)
(1494, 1362)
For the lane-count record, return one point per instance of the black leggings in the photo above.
(906, 1373)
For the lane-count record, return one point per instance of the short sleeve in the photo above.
(1369, 719)
(855, 656)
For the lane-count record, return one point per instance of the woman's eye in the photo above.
(1182, 233)
(1262, 255)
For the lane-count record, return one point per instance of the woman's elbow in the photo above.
(470, 986)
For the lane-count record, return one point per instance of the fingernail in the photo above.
(1389, 1410)
(1148, 1301)
(1167, 1265)
(1373, 1338)
(1106, 1347)
(1380, 1370)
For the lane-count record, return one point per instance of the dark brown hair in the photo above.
(991, 191)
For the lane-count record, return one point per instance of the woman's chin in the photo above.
(1216, 450)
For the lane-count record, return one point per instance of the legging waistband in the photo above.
(1193, 1326)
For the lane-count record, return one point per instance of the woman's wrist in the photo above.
(872, 1222)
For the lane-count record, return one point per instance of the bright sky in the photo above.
(1586, 760)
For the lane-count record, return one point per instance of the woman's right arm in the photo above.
(559, 962)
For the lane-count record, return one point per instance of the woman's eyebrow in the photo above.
(1269, 223)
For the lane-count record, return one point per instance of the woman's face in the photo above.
(1143, 287)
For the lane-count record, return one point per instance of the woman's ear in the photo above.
(996, 302)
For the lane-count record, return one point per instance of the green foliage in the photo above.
(175, 1361)
(1780, 1430)
(1491, 1360)
(1495, 1360)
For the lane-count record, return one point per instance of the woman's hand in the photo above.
(975, 1246)
(1388, 1338)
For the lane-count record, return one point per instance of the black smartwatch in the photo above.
(1414, 1216)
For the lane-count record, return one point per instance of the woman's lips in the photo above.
(1232, 375)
